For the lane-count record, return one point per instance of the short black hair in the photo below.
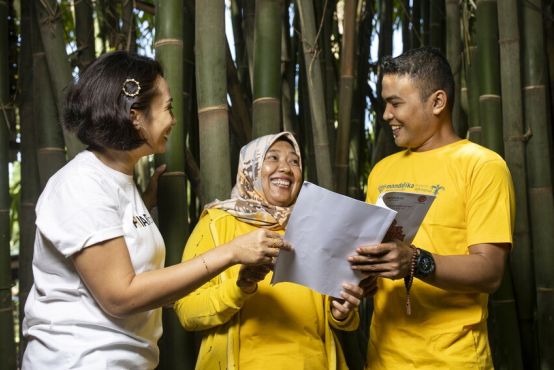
(96, 108)
(427, 67)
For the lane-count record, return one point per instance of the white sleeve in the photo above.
(79, 211)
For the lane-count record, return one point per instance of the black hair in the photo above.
(427, 67)
(97, 109)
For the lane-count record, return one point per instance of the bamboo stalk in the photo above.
(243, 129)
(512, 116)
(490, 108)
(437, 24)
(472, 80)
(328, 30)
(128, 27)
(315, 93)
(506, 348)
(249, 12)
(266, 107)
(345, 95)
(50, 143)
(287, 78)
(177, 347)
(454, 55)
(539, 173)
(30, 185)
(405, 20)
(241, 56)
(84, 33)
(416, 36)
(51, 31)
(212, 99)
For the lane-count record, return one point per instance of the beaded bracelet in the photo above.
(408, 280)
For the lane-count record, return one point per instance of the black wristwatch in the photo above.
(425, 264)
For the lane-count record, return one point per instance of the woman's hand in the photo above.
(150, 195)
(257, 247)
(369, 286)
(249, 276)
(351, 298)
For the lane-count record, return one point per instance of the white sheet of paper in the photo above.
(324, 229)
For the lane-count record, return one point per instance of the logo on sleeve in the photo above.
(142, 220)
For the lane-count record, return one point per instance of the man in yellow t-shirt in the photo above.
(458, 255)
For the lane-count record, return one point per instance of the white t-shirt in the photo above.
(85, 203)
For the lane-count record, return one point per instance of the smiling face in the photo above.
(281, 174)
(413, 121)
(160, 120)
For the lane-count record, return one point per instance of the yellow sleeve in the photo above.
(219, 299)
(350, 323)
(491, 204)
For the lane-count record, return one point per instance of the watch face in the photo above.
(426, 264)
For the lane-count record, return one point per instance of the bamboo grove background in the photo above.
(308, 66)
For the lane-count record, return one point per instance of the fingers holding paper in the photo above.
(258, 247)
(351, 296)
(390, 260)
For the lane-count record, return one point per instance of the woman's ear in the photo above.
(135, 118)
(440, 100)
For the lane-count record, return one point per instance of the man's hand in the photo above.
(391, 260)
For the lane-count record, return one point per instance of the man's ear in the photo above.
(439, 100)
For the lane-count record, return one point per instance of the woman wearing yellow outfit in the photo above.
(247, 323)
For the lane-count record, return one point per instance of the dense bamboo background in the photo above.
(238, 69)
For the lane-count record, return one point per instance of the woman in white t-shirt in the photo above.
(99, 280)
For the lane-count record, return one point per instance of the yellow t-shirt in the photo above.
(474, 204)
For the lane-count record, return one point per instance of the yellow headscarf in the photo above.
(248, 202)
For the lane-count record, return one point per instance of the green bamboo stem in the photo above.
(454, 55)
(539, 173)
(212, 99)
(249, 12)
(51, 27)
(405, 19)
(50, 142)
(30, 185)
(315, 92)
(324, 13)
(242, 125)
(287, 75)
(128, 27)
(84, 33)
(490, 106)
(241, 56)
(384, 141)
(425, 21)
(177, 347)
(305, 118)
(266, 107)
(506, 347)
(512, 116)
(416, 36)
(436, 24)
(345, 95)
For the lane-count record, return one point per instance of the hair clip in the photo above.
(131, 87)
